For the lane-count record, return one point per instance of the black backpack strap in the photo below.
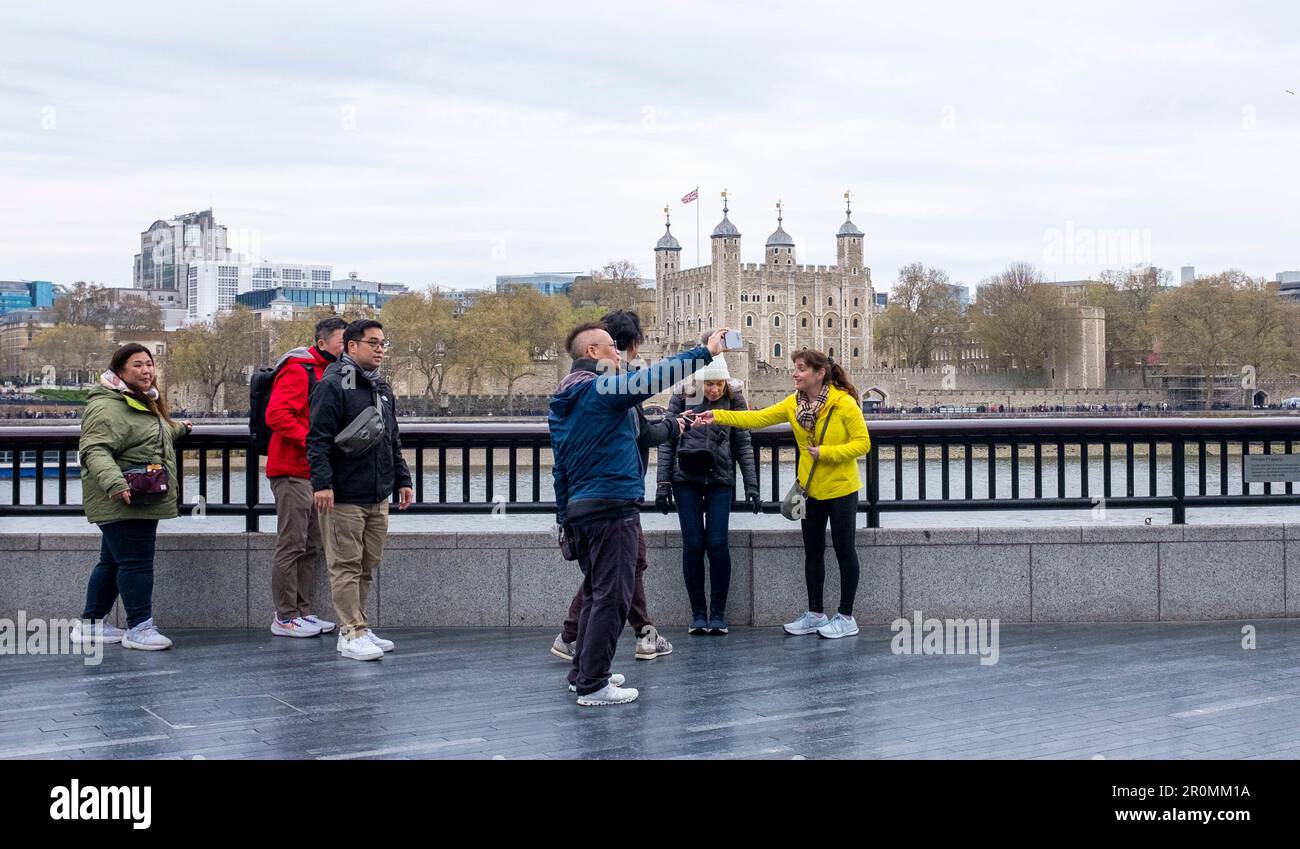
(311, 378)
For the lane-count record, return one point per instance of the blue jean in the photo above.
(704, 513)
(125, 568)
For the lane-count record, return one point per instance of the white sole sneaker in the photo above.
(615, 679)
(609, 696)
(281, 631)
(131, 644)
(803, 632)
(852, 633)
(367, 652)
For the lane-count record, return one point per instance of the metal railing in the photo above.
(914, 465)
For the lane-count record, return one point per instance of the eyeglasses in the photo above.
(377, 344)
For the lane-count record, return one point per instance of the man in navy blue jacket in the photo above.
(599, 484)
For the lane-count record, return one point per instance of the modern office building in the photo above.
(1288, 284)
(169, 247)
(214, 286)
(546, 282)
(26, 295)
(354, 281)
(302, 298)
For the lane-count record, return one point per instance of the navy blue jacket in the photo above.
(594, 429)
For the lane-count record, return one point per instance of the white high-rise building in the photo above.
(213, 285)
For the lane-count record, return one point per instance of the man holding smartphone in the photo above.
(599, 485)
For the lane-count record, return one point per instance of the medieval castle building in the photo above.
(778, 305)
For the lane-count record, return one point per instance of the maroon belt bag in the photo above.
(149, 484)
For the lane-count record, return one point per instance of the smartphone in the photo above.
(731, 340)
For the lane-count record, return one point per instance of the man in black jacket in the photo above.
(352, 492)
(624, 326)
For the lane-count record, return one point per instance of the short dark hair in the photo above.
(625, 327)
(357, 329)
(326, 326)
(578, 331)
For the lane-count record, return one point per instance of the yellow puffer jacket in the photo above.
(846, 440)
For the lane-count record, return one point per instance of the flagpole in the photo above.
(697, 226)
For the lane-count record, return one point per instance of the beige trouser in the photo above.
(297, 546)
(354, 541)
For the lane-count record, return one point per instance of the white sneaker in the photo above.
(145, 637)
(610, 695)
(615, 679)
(324, 624)
(839, 626)
(294, 628)
(384, 645)
(806, 624)
(98, 631)
(359, 648)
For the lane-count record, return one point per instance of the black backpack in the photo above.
(259, 396)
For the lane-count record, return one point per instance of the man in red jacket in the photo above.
(299, 542)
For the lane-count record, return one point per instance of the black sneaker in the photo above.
(699, 625)
(717, 624)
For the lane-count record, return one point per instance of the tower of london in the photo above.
(778, 305)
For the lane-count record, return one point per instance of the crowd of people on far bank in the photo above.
(334, 462)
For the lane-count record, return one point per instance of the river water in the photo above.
(934, 519)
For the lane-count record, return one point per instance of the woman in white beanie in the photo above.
(697, 474)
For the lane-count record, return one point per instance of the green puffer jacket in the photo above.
(118, 432)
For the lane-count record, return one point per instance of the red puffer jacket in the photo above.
(286, 414)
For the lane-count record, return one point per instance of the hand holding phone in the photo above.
(731, 341)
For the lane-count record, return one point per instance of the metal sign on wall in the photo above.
(1270, 468)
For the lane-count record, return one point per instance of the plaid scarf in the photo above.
(808, 409)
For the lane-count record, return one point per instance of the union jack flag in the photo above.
(693, 194)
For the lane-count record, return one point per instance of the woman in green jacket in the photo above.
(126, 426)
(824, 398)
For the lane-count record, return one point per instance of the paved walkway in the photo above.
(1164, 690)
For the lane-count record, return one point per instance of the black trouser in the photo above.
(638, 617)
(843, 515)
(125, 569)
(607, 551)
(703, 512)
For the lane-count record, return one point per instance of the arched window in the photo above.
(830, 322)
(744, 298)
(803, 322)
(855, 352)
(855, 322)
(776, 350)
(803, 302)
(830, 302)
(776, 321)
(855, 302)
(749, 321)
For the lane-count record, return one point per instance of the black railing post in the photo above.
(1180, 459)
(252, 471)
(873, 487)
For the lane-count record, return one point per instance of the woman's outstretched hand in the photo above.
(704, 418)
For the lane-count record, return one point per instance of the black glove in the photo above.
(755, 502)
(664, 501)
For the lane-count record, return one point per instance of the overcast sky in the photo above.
(448, 143)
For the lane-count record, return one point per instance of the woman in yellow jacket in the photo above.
(822, 390)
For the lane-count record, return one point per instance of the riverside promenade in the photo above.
(1067, 691)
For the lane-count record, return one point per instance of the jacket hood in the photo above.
(566, 394)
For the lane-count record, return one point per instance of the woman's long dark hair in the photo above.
(835, 372)
(118, 364)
